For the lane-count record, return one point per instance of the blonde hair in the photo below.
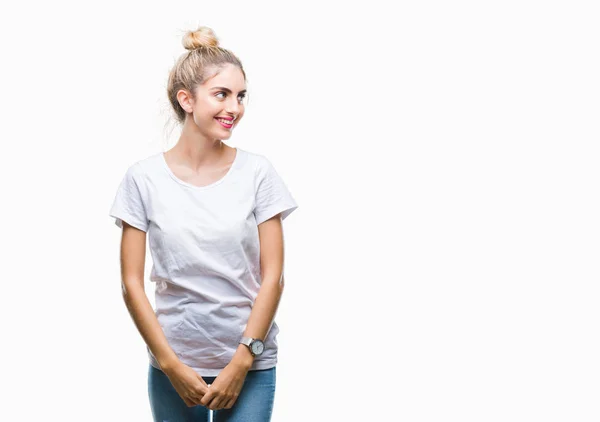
(204, 60)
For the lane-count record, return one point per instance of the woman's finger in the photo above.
(188, 402)
(216, 403)
(195, 400)
(230, 403)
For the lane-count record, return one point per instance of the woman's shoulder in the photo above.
(259, 160)
(251, 161)
(147, 164)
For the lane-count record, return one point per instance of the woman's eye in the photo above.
(241, 97)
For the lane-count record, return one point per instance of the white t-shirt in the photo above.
(205, 250)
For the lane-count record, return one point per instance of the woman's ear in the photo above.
(185, 100)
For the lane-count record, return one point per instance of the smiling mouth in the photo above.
(225, 123)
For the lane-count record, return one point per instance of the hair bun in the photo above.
(201, 37)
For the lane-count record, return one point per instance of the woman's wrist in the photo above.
(168, 364)
(243, 356)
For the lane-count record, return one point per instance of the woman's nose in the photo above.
(234, 107)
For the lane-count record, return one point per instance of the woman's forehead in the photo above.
(230, 77)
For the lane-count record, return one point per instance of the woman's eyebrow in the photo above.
(227, 89)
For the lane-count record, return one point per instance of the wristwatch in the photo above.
(255, 345)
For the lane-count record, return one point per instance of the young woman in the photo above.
(213, 215)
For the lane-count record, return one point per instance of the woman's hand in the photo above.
(189, 385)
(225, 389)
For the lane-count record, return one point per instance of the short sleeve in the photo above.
(272, 195)
(128, 205)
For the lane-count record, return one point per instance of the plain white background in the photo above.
(443, 262)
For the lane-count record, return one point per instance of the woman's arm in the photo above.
(133, 255)
(267, 301)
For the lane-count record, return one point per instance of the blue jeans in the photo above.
(254, 404)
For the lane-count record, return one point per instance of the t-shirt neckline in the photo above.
(192, 186)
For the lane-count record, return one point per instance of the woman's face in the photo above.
(222, 96)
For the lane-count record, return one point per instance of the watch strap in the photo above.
(246, 340)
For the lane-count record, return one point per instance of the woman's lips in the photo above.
(225, 125)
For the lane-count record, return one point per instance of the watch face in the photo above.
(258, 347)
